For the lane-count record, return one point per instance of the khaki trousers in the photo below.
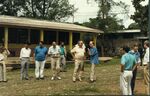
(92, 75)
(55, 66)
(146, 79)
(78, 69)
(2, 71)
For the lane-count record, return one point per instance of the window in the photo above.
(64, 37)
(34, 36)
(1, 34)
(49, 36)
(17, 35)
(76, 38)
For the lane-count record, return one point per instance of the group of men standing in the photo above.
(130, 62)
(58, 60)
(57, 54)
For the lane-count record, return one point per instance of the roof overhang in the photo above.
(43, 24)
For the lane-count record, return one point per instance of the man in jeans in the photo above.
(54, 52)
(40, 54)
(25, 60)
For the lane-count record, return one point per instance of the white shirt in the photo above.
(54, 51)
(79, 52)
(25, 52)
(146, 57)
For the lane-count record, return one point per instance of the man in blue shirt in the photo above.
(40, 54)
(135, 53)
(128, 62)
(93, 59)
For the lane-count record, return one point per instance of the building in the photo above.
(114, 40)
(14, 31)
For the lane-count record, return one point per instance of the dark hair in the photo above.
(41, 42)
(126, 49)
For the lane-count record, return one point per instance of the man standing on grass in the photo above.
(4, 52)
(128, 62)
(146, 67)
(135, 53)
(25, 60)
(63, 54)
(54, 52)
(40, 55)
(93, 59)
(78, 53)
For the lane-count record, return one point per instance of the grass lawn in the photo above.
(107, 82)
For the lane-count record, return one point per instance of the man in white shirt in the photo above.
(4, 52)
(78, 53)
(54, 52)
(146, 67)
(25, 60)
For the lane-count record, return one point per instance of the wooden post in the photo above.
(41, 35)
(94, 39)
(70, 40)
(81, 36)
(57, 37)
(6, 37)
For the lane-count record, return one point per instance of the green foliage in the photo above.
(133, 26)
(141, 15)
(107, 25)
(56, 10)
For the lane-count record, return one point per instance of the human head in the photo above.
(80, 43)
(26, 44)
(54, 44)
(91, 44)
(146, 44)
(41, 43)
(125, 49)
(62, 44)
(135, 47)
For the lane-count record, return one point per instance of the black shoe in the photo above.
(92, 81)
(42, 78)
(37, 79)
(26, 78)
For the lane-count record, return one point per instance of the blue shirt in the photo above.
(136, 54)
(40, 53)
(94, 56)
(128, 61)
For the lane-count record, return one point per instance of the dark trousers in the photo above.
(133, 80)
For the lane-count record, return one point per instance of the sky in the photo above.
(89, 10)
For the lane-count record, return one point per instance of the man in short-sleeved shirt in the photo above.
(128, 62)
(78, 53)
(40, 54)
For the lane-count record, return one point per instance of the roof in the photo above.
(43, 24)
(127, 31)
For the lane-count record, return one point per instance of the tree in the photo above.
(133, 26)
(54, 10)
(106, 18)
(141, 15)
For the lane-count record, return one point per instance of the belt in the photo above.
(128, 69)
